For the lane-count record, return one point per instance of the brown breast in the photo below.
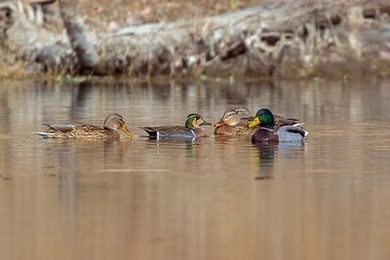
(199, 132)
(263, 135)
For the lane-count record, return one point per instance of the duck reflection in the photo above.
(81, 94)
(267, 154)
(191, 147)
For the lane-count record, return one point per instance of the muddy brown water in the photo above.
(216, 198)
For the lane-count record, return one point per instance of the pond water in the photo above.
(216, 198)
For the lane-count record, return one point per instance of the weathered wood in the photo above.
(87, 57)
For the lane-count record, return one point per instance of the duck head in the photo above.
(230, 118)
(264, 118)
(116, 122)
(194, 121)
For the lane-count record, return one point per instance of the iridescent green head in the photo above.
(195, 121)
(264, 118)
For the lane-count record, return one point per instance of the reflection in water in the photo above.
(282, 151)
(142, 199)
(190, 146)
(266, 160)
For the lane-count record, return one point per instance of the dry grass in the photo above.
(151, 11)
(15, 71)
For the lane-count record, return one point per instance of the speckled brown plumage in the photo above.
(112, 124)
(84, 131)
(240, 129)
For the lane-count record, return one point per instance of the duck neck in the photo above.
(267, 126)
(109, 128)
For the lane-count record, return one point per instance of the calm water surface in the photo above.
(217, 198)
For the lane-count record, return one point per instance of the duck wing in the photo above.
(69, 130)
(282, 121)
(52, 129)
(291, 133)
(64, 128)
(61, 127)
(245, 121)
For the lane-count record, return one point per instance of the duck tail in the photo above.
(302, 131)
(150, 131)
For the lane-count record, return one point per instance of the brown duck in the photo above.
(110, 130)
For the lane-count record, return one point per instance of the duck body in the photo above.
(269, 132)
(235, 130)
(112, 124)
(78, 131)
(282, 134)
(291, 133)
(234, 121)
(192, 129)
(174, 132)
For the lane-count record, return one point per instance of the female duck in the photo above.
(111, 125)
(270, 132)
(235, 121)
(190, 130)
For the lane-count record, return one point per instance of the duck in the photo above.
(235, 122)
(110, 130)
(270, 132)
(191, 129)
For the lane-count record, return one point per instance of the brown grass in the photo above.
(150, 11)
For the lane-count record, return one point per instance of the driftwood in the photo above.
(293, 38)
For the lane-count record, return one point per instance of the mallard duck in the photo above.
(274, 133)
(111, 125)
(191, 129)
(235, 121)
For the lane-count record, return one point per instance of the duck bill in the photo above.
(219, 123)
(127, 131)
(255, 122)
(206, 123)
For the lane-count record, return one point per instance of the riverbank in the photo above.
(188, 39)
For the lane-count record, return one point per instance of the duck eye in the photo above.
(229, 114)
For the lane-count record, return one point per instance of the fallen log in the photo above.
(280, 39)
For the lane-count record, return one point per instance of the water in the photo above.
(217, 198)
